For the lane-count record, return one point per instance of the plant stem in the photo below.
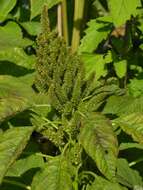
(90, 173)
(50, 122)
(65, 21)
(43, 155)
(62, 21)
(135, 162)
(59, 19)
(17, 184)
(78, 19)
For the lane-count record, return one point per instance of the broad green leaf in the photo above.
(121, 11)
(106, 19)
(24, 164)
(11, 36)
(94, 34)
(18, 56)
(102, 184)
(100, 97)
(95, 63)
(36, 6)
(33, 28)
(27, 79)
(5, 7)
(128, 176)
(15, 96)
(132, 124)
(100, 143)
(12, 142)
(123, 105)
(10, 106)
(54, 176)
(116, 104)
(124, 146)
(15, 87)
(120, 68)
(135, 87)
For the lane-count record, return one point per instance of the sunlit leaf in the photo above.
(95, 63)
(121, 68)
(94, 34)
(33, 28)
(128, 176)
(54, 176)
(121, 11)
(124, 146)
(123, 105)
(132, 124)
(36, 6)
(18, 56)
(15, 96)
(135, 87)
(5, 7)
(11, 36)
(12, 142)
(99, 141)
(24, 164)
(102, 184)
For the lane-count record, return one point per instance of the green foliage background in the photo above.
(71, 114)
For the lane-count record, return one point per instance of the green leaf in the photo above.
(95, 63)
(102, 184)
(132, 124)
(128, 176)
(99, 141)
(33, 28)
(124, 146)
(28, 79)
(5, 7)
(10, 106)
(16, 87)
(135, 87)
(19, 57)
(12, 142)
(36, 6)
(94, 34)
(15, 96)
(121, 11)
(116, 104)
(11, 36)
(25, 164)
(123, 105)
(54, 176)
(121, 68)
